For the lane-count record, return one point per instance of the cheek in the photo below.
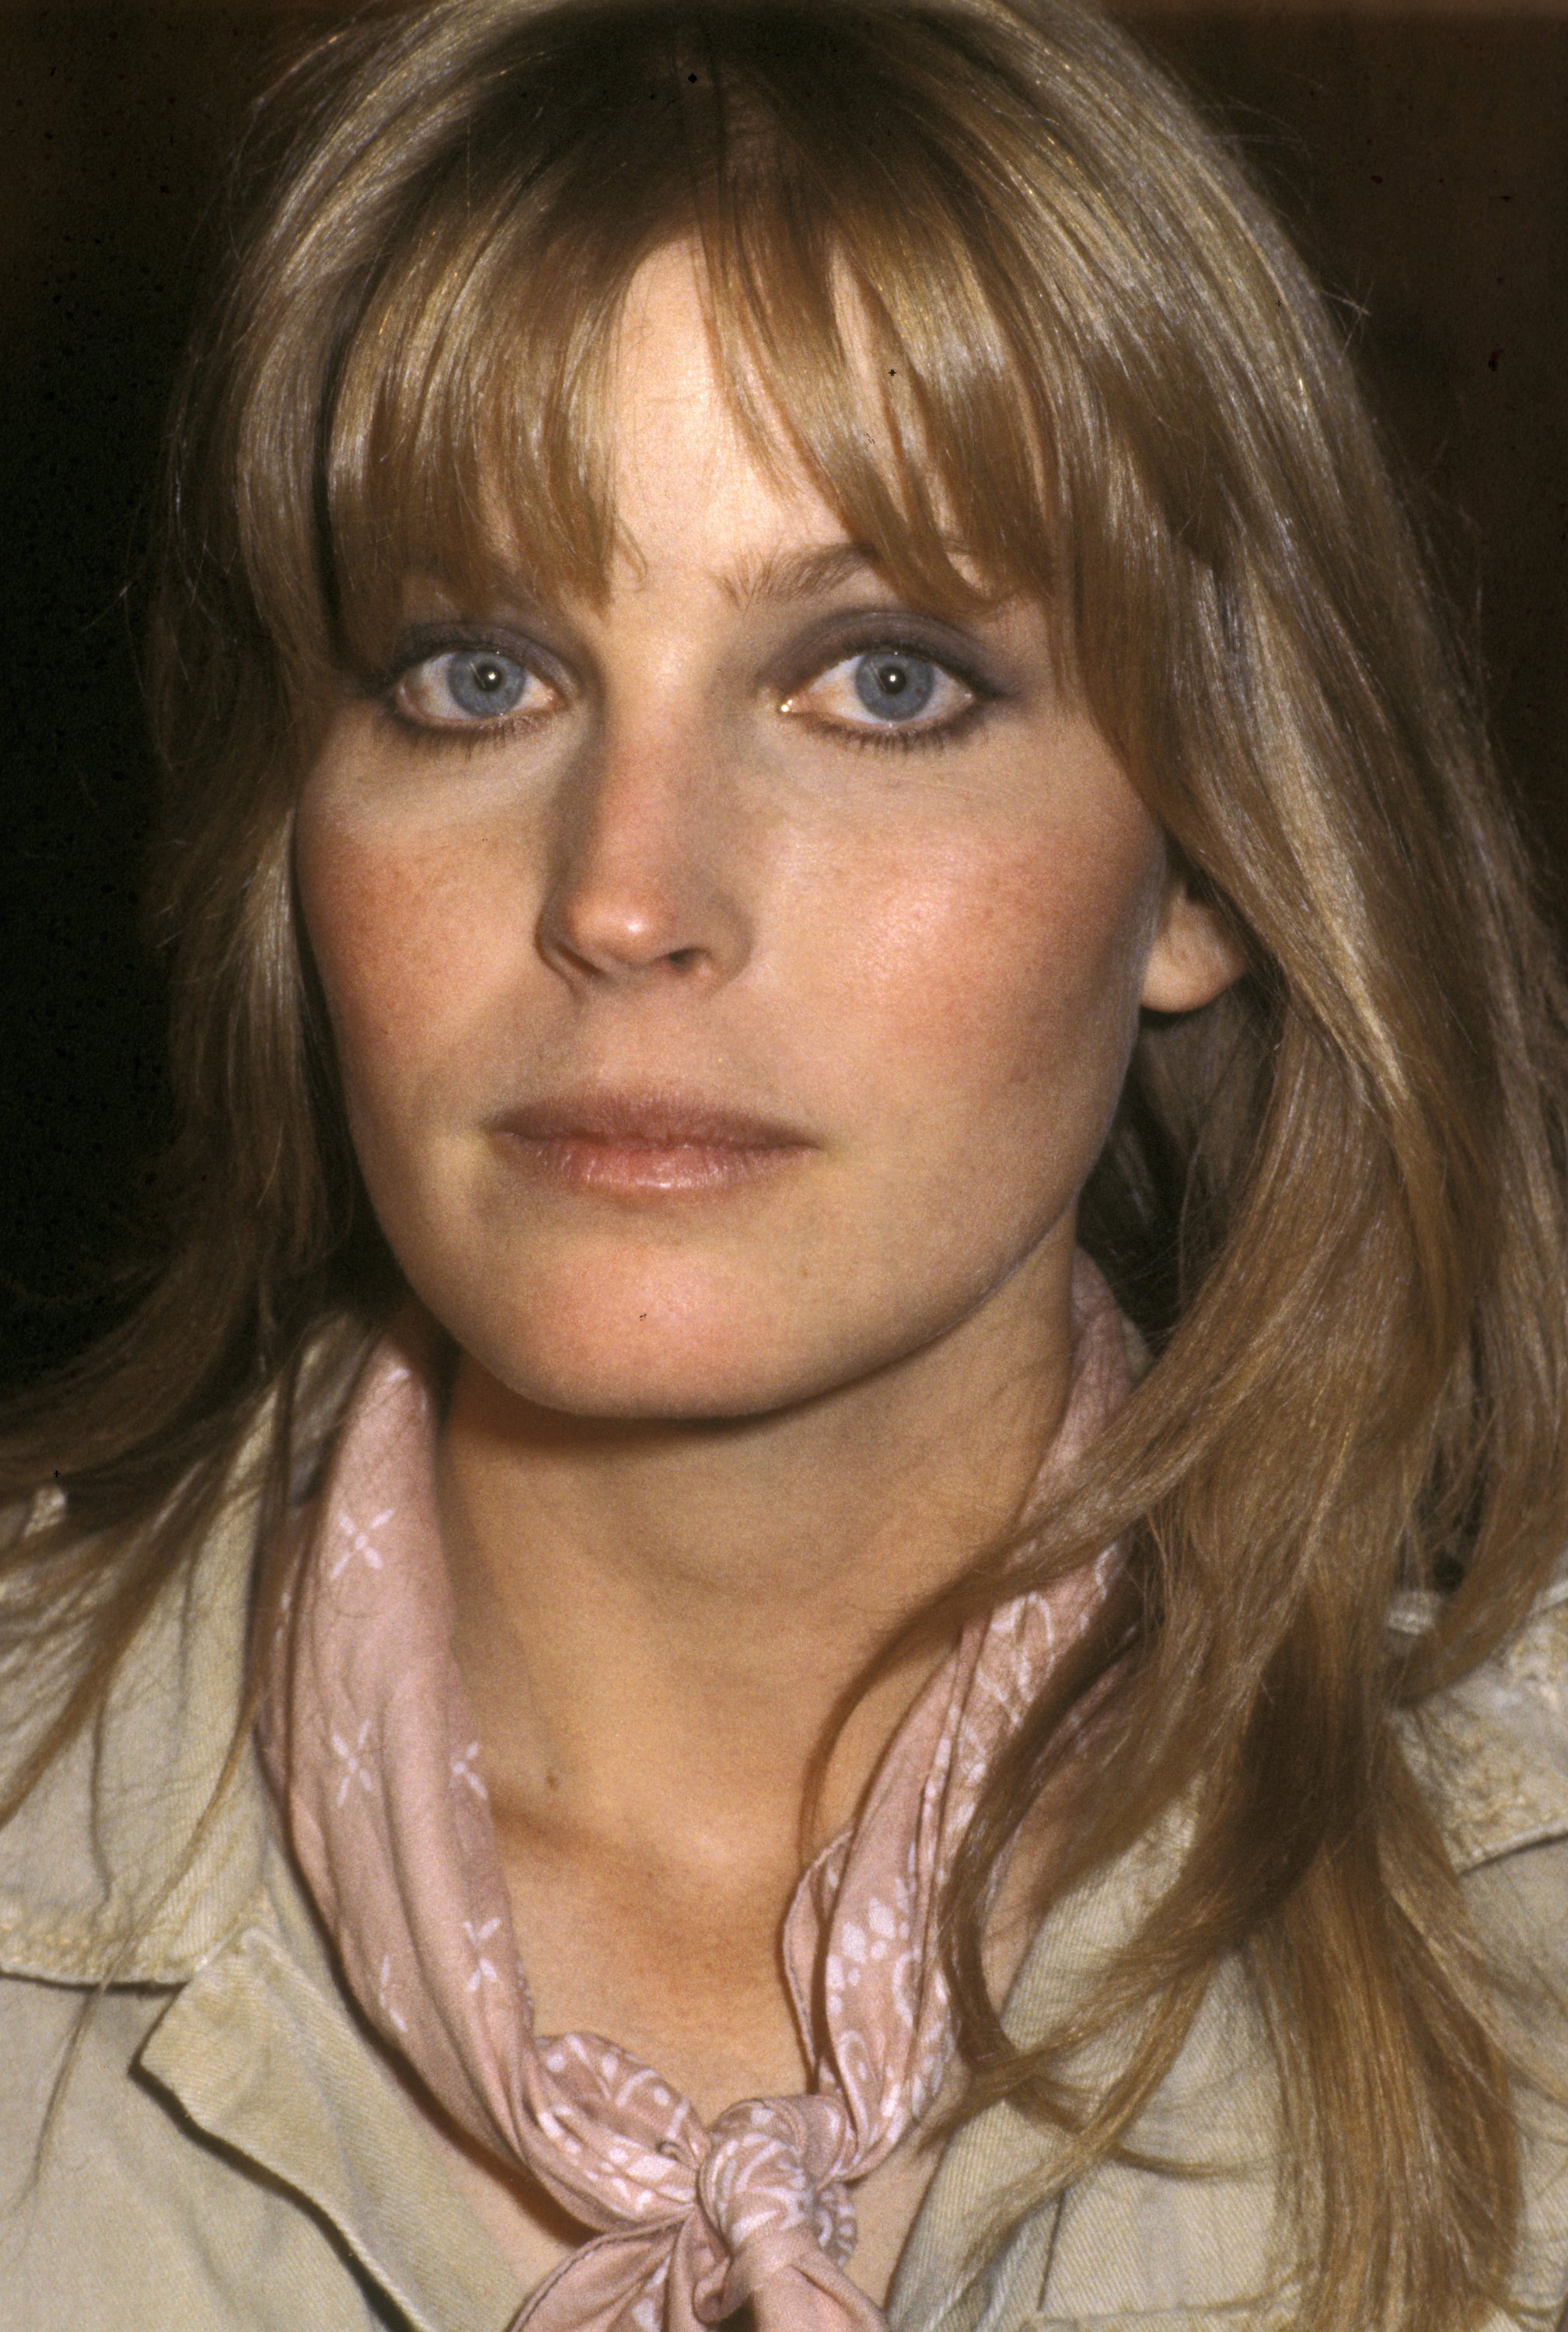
(411, 937)
(1009, 985)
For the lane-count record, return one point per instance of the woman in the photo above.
(823, 1581)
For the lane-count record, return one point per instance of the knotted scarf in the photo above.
(372, 1753)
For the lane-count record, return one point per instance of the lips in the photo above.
(649, 1143)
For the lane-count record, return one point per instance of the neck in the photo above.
(656, 1621)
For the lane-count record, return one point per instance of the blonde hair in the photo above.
(1333, 1201)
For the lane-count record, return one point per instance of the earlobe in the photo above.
(1195, 956)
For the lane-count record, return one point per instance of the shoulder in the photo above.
(1135, 2246)
(1491, 1751)
(1492, 1754)
(139, 1846)
(138, 1851)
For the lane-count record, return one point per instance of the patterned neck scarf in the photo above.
(370, 1751)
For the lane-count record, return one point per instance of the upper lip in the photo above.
(648, 1120)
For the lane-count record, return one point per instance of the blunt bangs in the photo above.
(469, 436)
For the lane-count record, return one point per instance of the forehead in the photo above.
(692, 487)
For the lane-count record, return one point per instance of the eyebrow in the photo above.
(778, 577)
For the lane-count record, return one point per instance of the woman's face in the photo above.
(732, 982)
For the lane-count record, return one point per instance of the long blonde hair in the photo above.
(1333, 1201)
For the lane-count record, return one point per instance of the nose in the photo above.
(645, 878)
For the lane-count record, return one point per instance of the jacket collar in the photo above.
(259, 2051)
(126, 1865)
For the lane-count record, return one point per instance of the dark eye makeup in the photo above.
(900, 682)
(902, 685)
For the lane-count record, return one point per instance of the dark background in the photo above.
(1422, 159)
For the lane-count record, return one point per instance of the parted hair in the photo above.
(1333, 1201)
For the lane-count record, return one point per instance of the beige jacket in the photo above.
(228, 2154)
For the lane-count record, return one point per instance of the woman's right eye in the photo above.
(470, 688)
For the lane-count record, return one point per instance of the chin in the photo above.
(635, 1352)
(575, 1378)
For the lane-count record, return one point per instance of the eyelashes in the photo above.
(467, 692)
(464, 686)
(891, 696)
(882, 688)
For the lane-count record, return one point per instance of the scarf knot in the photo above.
(773, 2173)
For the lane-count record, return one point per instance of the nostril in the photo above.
(684, 958)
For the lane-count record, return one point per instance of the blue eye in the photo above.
(484, 684)
(883, 695)
(469, 688)
(895, 684)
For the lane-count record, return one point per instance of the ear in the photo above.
(1195, 956)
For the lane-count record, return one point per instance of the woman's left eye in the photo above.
(466, 688)
(884, 689)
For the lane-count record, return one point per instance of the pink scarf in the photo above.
(372, 1755)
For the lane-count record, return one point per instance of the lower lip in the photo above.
(637, 1170)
